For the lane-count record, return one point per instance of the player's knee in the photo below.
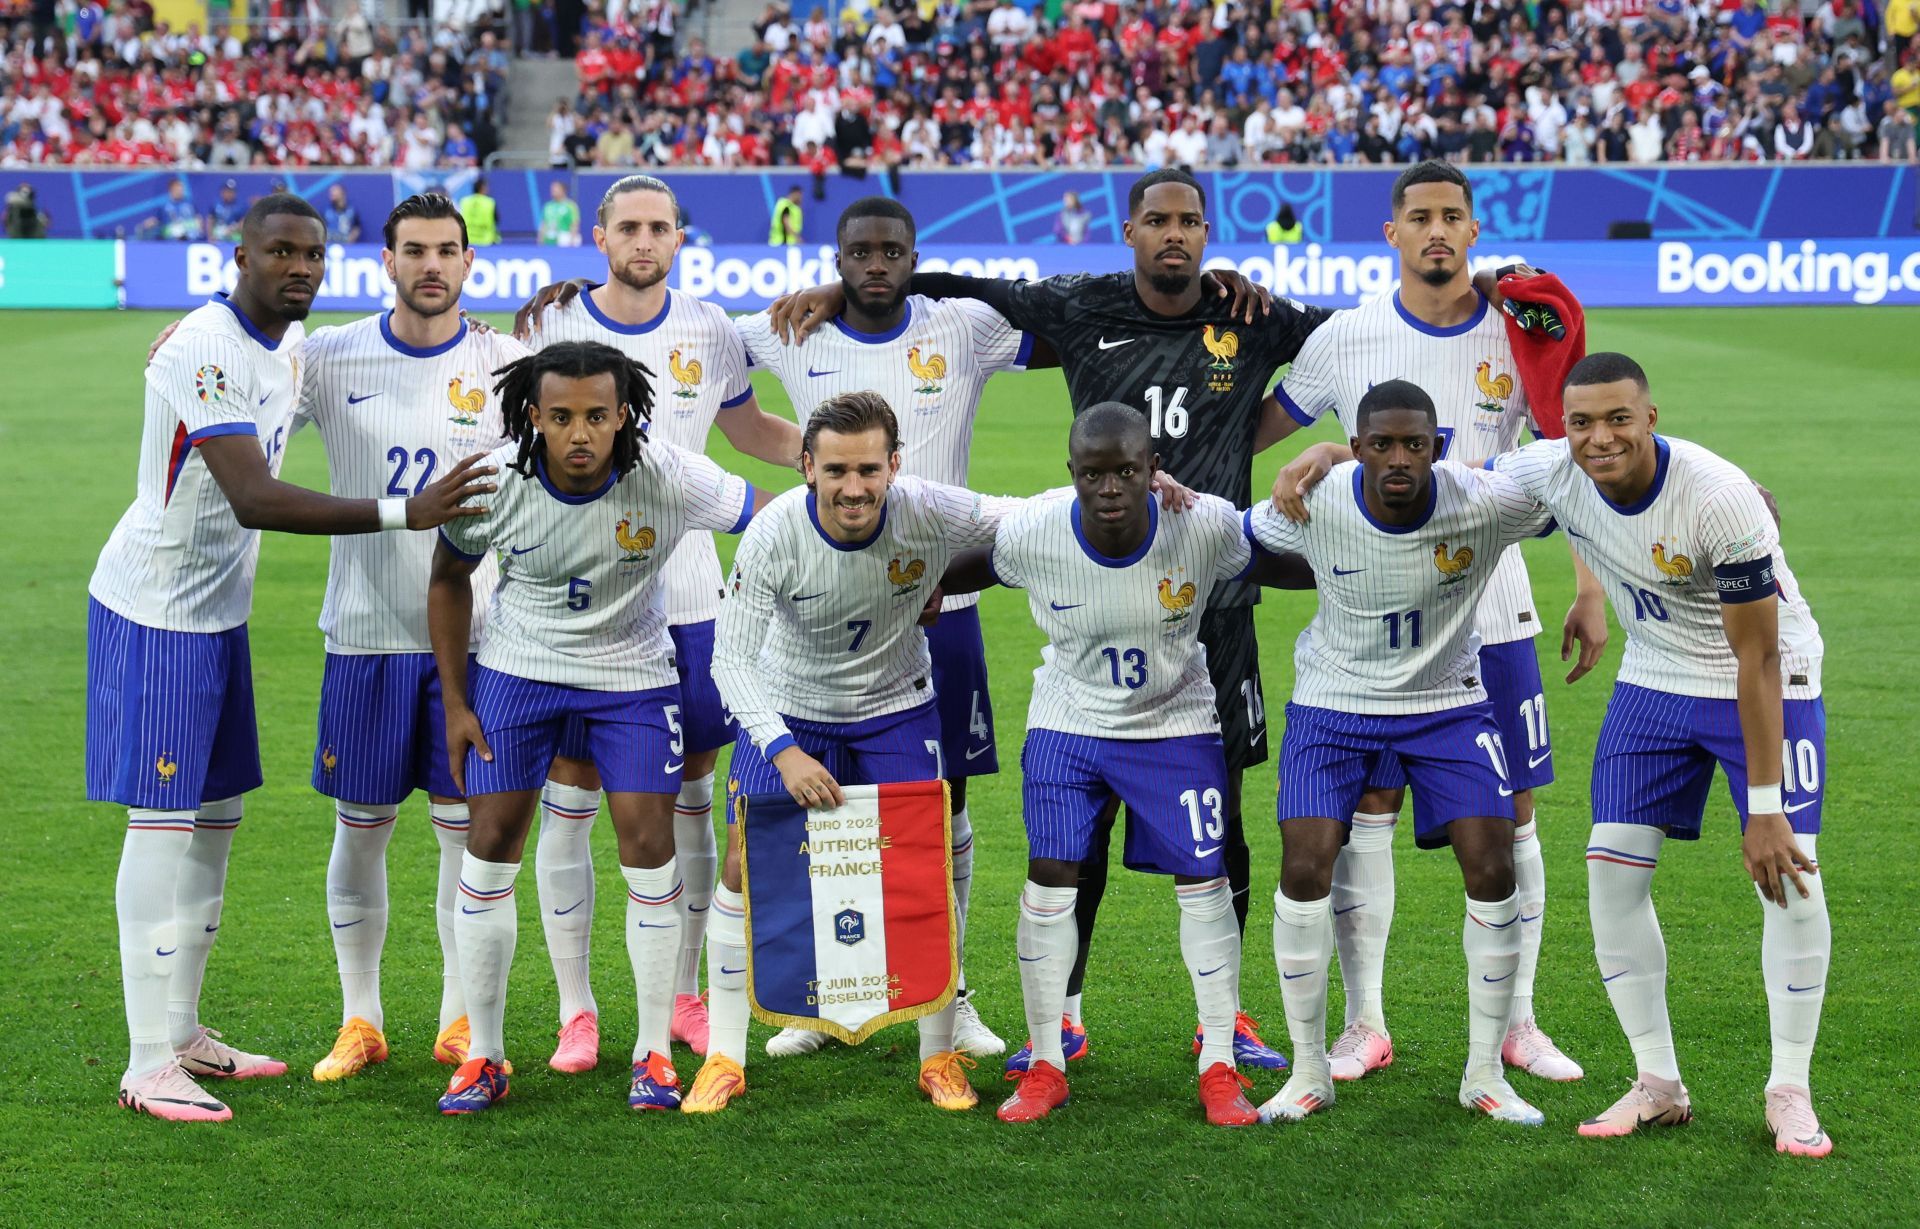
(1382, 801)
(1522, 807)
(646, 847)
(730, 869)
(580, 774)
(1488, 877)
(700, 764)
(1306, 877)
(1053, 873)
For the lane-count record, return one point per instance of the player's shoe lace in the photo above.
(1796, 1128)
(971, 1034)
(358, 1045)
(208, 1056)
(579, 1048)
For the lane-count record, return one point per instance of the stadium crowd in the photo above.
(1151, 84)
(111, 86)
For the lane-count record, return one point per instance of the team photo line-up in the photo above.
(566, 638)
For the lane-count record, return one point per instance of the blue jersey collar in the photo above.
(1434, 330)
(631, 330)
(1128, 560)
(253, 330)
(386, 332)
(540, 468)
(1653, 489)
(875, 339)
(1360, 501)
(813, 514)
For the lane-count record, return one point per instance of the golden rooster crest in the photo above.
(930, 371)
(1675, 569)
(906, 579)
(1224, 347)
(328, 760)
(1178, 602)
(1453, 567)
(166, 767)
(685, 374)
(1495, 388)
(467, 403)
(636, 542)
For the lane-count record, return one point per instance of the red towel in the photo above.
(1543, 362)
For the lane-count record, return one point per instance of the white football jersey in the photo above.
(394, 418)
(1658, 558)
(179, 559)
(579, 598)
(1123, 657)
(1394, 629)
(698, 370)
(821, 630)
(932, 370)
(1469, 372)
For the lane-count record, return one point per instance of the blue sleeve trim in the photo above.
(998, 579)
(1292, 407)
(222, 428)
(1025, 356)
(1253, 556)
(1246, 528)
(1487, 465)
(777, 746)
(454, 547)
(1552, 527)
(746, 512)
(1745, 582)
(741, 398)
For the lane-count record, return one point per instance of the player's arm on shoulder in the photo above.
(526, 321)
(716, 500)
(970, 571)
(450, 630)
(968, 517)
(762, 436)
(1271, 532)
(1036, 307)
(262, 501)
(1297, 479)
(1241, 558)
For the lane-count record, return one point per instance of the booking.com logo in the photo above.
(1866, 275)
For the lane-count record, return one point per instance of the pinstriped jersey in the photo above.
(1123, 657)
(1468, 370)
(393, 418)
(179, 559)
(1394, 629)
(1700, 536)
(579, 599)
(932, 371)
(829, 631)
(698, 370)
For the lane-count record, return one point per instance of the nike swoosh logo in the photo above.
(1074, 606)
(1505, 792)
(1030, 959)
(1793, 807)
(1292, 976)
(176, 1101)
(1258, 735)
(212, 928)
(227, 1068)
(817, 374)
(671, 767)
(809, 597)
(1534, 761)
(1575, 533)
(1114, 345)
(1350, 908)
(170, 951)
(1210, 972)
(1621, 973)
(1201, 853)
(353, 400)
(1793, 989)
(522, 550)
(344, 925)
(570, 908)
(654, 925)
(1494, 981)
(1524, 919)
(464, 909)
(974, 755)
(263, 400)
(1347, 571)
(726, 972)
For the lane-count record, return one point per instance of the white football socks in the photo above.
(357, 905)
(1073, 1009)
(653, 947)
(1363, 900)
(198, 894)
(450, 820)
(727, 975)
(962, 885)
(143, 898)
(1794, 948)
(563, 874)
(1627, 942)
(1490, 936)
(1530, 880)
(1210, 945)
(699, 860)
(486, 929)
(1046, 941)
(1302, 949)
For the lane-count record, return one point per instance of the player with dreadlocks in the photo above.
(576, 630)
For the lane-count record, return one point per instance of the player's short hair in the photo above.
(424, 205)
(636, 183)
(876, 207)
(1606, 367)
(1394, 395)
(519, 389)
(1173, 174)
(853, 414)
(1108, 422)
(274, 203)
(1433, 170)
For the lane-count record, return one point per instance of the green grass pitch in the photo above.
(1806, 400)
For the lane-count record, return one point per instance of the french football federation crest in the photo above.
(1225, 347)
(849, 926)
(1178, 603)
(467, 403)
(636, 542)
(1495, 388)
(929, 371)
(1452, 566)
(328, 760)
(906, 579)
(1674, 567)
(165, 766)
(686, 374)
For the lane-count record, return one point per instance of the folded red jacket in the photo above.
(1543, 363)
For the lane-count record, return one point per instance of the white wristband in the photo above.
(393, 514)
(1763, 800)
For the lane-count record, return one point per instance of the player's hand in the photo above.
(1531, 316)
(463, 731)
(930, 613)
(1298, 477)
(1175, 496)
(1248, 296)
(526, 321)
(795, 316)
(441, 501)
(1773, 857)
(174, 324)
(1766, 497)
(808, 780)
(1586, 623)
(476, 323)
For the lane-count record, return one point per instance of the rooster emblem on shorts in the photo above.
(467, 403)
(906, 579)
(929, 371)
(328, 760)
(1675, 569)
(166, 767)
(1177, 602)
(1452, 566)
(636, 542)
(685, 374)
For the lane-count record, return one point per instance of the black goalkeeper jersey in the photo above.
(1199, 378)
